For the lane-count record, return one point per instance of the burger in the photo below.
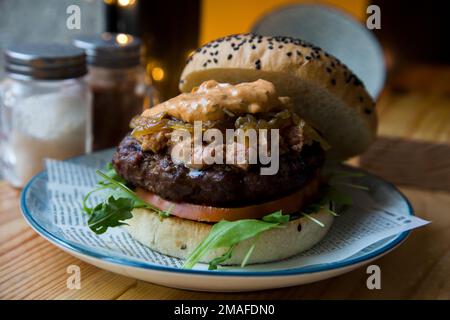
(304, 107)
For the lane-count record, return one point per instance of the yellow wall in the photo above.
(223, 17)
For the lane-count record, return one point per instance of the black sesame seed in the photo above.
(289, 54)
(367, 111)
(209, 60)
(253, 47)
(215, 60)
(259, 40)
(204, 51)
(183, 247)
(299, 53)
(329, 70)
(357, 82)
(270, 47)
(233, 44)
(205, 64)
(333, 82)
(280, 46)
(230, 56)
(299, 227)
(308, 58)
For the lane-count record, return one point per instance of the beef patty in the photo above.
(217, 185)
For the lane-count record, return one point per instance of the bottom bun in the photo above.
(178, 237)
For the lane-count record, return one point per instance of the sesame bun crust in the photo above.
(178, 237)
(325, 92)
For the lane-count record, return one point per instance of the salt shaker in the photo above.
(45, 108)
(118, 83)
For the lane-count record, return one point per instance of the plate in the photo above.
(36, 210)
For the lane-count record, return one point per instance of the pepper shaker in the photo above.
(118, 82)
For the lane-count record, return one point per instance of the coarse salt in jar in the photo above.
(45, 108)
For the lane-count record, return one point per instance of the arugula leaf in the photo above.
(276, 217)
(122, 191)
(118, 203)
(112, 174)
(226, 234)
(313, 219)
(218, 260)
(110, 213)
(166, 213)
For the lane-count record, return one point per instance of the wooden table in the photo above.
(32, 268)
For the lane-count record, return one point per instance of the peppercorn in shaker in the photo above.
(118, 83)
(45, 108)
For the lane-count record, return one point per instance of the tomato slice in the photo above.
(288, 204)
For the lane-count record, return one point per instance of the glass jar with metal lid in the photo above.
(118, 82)
(45, 108)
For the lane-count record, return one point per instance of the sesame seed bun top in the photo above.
(325, 92)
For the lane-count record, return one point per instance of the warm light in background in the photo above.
(110, 2)
(157, 73)
(220, 17)
(126, 3)
(190, 53)
(122, 38)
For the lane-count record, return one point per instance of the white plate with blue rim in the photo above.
(35, 205)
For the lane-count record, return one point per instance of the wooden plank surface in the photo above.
(32, 268)
(413, 147)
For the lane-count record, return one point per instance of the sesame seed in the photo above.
(270, 47)
(205, 64)
(329, 70)
(308, 58)
(289, 54)
(253, 47)
(230, 56)
(280, 46)
(299, 53)
(367, 111)
(333, 82)
(215, 60)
